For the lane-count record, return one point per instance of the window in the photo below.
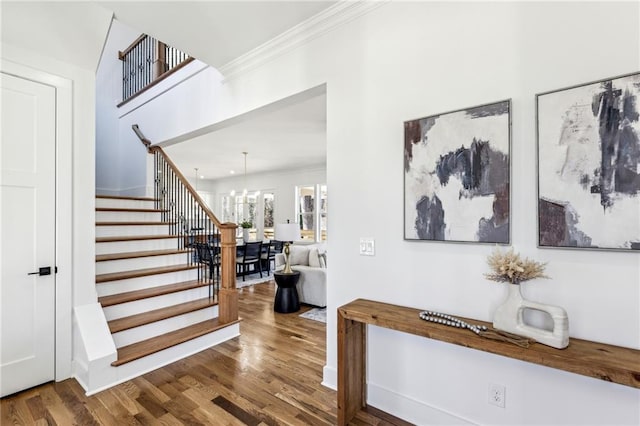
(323, 213)
(246, 210)
(268, 224)
(237, 208)
(309, 213)
(228, 214)
(306, 198)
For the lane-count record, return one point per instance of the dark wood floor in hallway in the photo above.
(270, 375)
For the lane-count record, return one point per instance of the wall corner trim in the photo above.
(329, 19)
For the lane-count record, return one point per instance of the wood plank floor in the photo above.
(270, 375)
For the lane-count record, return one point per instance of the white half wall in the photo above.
(413, 59)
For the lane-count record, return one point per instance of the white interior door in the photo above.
(27, 233)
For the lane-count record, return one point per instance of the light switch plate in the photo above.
(367, 247)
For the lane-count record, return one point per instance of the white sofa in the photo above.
(310, 261)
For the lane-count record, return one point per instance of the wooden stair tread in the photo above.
(156, 344)
(123, 197)
(133, 238)
(148, 317)
(137, 254)
(127, 223)
(125, 210)
(131, 296)
(115, 276)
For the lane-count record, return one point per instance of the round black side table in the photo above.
(287, 294)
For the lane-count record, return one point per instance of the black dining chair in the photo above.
(208, 256)
(249, 254)
(268, 256)
(264, 256)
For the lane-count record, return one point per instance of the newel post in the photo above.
(228, 294)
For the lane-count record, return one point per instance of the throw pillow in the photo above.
(299, 255)
(314, 259)
(322, 257)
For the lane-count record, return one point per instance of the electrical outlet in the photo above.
(497, 394)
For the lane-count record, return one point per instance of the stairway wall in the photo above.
(182, 102)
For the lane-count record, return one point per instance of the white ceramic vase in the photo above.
(509, 317)
(245, 234)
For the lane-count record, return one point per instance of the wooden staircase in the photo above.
(148, 287)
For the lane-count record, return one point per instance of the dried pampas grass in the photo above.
(509, 267)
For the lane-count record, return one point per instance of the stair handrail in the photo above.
(227, 295)
(151, 149)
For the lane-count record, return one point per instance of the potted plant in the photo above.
(246, 225)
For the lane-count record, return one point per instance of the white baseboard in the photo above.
(330, 377)
(399, 405)
(410, 409)
(105, 191)
(134, 191)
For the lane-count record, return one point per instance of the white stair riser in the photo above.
(124, 204)
(131, 284)
(111, 216)
(157, 328)
(152, 303)
(109, 266)
(131, 230)
(136, 245)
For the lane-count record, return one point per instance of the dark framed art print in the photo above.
(588, 139)
(457, 175)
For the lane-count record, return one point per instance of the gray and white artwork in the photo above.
(589, 165)
(456, 175)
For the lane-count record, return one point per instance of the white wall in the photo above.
(160, 112)
(108, 95)
(408, 60)
(411, 59)
(281, 183)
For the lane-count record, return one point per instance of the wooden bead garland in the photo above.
(451, 321)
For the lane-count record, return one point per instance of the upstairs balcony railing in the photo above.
(146, 62)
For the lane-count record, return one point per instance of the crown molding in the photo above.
(329, 19)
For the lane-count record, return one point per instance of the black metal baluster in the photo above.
(134, 75)
(128, 71)
(145, 55)
(155, 182)
(138, 69)
(147, 80)
(124, 80)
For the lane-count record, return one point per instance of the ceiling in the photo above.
(215, 32)
(283, 136)
(72, 32)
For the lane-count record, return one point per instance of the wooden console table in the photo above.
(606, 362)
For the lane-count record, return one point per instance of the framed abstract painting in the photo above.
(457, 175)
(589, 165)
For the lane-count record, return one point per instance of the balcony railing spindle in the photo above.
(146, 61)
